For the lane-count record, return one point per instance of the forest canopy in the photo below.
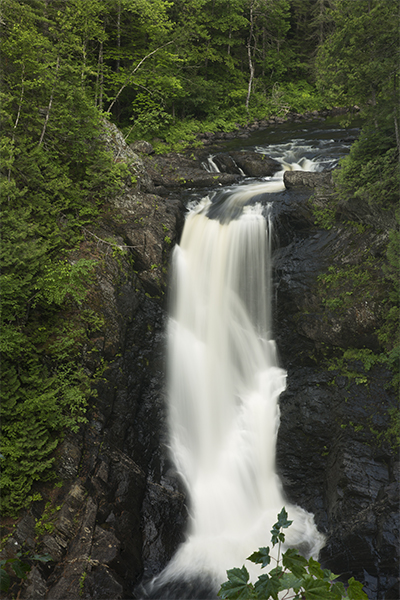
(162, 70)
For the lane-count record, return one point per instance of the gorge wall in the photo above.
(121, 511)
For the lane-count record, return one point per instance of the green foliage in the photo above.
(389, 333)
(150, 120)
(369, 174)
(20, 567)
(344, 282)
(292, 574)
(354, 363)
(358, 62)
(324, 215)
(45, 524)
(82, 582)
(392, 434)
(300, 96)
(184, 133)
(371, 170)
(344, 286)
(55, 176)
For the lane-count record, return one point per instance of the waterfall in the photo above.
(224, 385)
(210, 165)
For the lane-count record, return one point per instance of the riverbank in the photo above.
(186, 137)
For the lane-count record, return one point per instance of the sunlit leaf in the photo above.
(295, 562)
(290, 582)
(237, 587)
(268, 587)
(355, 590)
(261, 557)
(315, 589)
(338, 590)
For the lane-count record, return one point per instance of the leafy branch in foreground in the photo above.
(18, 568)
(300, 578)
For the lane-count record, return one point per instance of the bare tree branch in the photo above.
(251, 63)
(133, 72)
(50, 104)
(111, 244)
(17, 118)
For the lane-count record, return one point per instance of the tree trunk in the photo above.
(84, 54)
(17, 118)
(50, 104)
(251, 63)
(396, 129)
(264, 49)
(118, 36)
(100, 77)
(128, 79)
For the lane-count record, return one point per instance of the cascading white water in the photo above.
(224, 384)
(210, 165)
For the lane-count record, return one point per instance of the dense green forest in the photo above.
(162, 71)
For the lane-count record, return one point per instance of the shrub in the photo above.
(298, 577)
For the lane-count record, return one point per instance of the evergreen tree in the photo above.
(359, 61)
(54, 177)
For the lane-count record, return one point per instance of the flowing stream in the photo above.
(224, 376)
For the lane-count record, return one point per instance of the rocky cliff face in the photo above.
(335, 456)
(121, 511)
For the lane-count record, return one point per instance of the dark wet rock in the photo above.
(226, 164)
(254, 164)
(176, 171)
(307, 179)
(162, 532)
(25, 532)
(142, 146)
(251, 164)
(354, 208)
(330, 452)
(36, 587)
(105, 546)
(70, 454)
(357, 209)
(78, 545)
(367, 546)
(101, 583)
(305, 253)
(178, 589)
(72, 570)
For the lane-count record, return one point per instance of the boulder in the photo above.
(142, 146)
(174, 171)
(226, 164)
(254, 164)
(307, 179)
